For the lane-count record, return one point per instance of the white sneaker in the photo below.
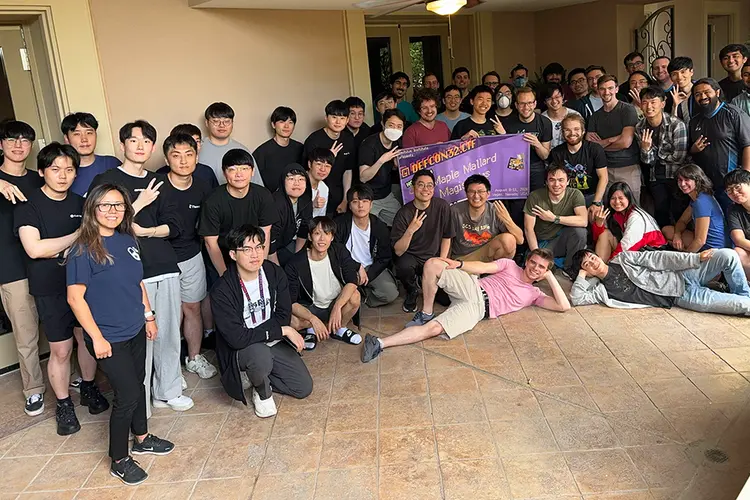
(180, 403)
(183, 382)
(200, 366)
(264, 408)
(245, 380)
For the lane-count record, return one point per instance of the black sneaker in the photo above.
(152, 445)
(92, 397)
(371, 348)
(410, 302)
(67, 422)
(34, 405)
(128, 471)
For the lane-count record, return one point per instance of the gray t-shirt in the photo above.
(609, 124)
(211, 155)
(473, 234)
(449, 122)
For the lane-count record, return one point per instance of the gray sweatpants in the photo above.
(382, 290)
(567, 242)
(279, 367)
(163, 354)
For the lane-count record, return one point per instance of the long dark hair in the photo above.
(693, 172)
(633, 207)
(89, 240)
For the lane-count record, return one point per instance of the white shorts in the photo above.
(467, 302)
(192, 279)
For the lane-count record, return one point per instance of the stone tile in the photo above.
(663, 466)
(511, 372)
(702, 362)
(650, 367)
(457, 408)
(604, 470)
(672, 393)
(518, 437)
(171, 491)
(722, 388)
(584, 432)
(292, 454)
(224, 489)
(463, 441)
(402, 359)
(358, 415)
(454, 381)
(9, 442)
(538, 351)
(355, 387)
(183, 464)
(121, 493)
(631, 495)
(584, 347)
(349, 363)
(515, 404)
(642, 427)
(234, 460)
(550, 373)
(49, 495)
(209, 401)
(405, 412)
(565, 401)
(321, 394)
(41, 439)
(294, 420)
(630, 345)
(539, 475)
(350, 449)
(198, 430)
(737, 357)
(626, 396)
(406, 445)
(603, 371)
(351, 483)
(91, 437)
(389, 325)
(485, 337)
(65, 472)
(101, 478)
(494, 380)
(405, 384)
(321, 366)
(722, 338)
(245, 427)
(475, 479)
(415, 481)
(696, 423)
(679, 339)
(298, 486)
(446, 357)
(16, 473)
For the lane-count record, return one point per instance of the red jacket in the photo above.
(639, 229)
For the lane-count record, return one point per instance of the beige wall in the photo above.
(515, 41)
(463, 33)
(165, 62)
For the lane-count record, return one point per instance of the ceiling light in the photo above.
(445, 7)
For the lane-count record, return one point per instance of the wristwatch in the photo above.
(460, 264)
(149, 314)
(597, 203)
(557, 219)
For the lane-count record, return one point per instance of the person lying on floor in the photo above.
(508, 288)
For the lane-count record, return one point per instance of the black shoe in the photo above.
(67, 422)
(92, 397)
(410, 302)
(442, 298)
(128, 471)
(152, 445)
(34, 405)
(371, 348)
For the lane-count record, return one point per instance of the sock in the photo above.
(341, 331)
(380, 341)
(60, 402)
(207, 332)
(426, 313)
(311, 331)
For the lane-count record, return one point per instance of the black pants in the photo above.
(408, 269)
(568, 241)
(669, 202)
(279, 367)
(125, 370)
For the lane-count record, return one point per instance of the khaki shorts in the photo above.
(481, 254)
(467, 302)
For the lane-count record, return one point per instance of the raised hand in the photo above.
(647, 138)
(532, 139)
(601, 216)
(389, 155)
(498, 125)
(416, 222)
(700, 144)
(545, 215)
(500, 211)
(468, 135)
(336, 147)
(11, 192)
(635, 96)
(319, 201)
(678, 96)
(147, 196)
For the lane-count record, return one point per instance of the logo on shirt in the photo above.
(133, 251)
(194, 206)
(578, 175)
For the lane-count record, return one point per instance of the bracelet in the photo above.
(460, 265)
(151, 320)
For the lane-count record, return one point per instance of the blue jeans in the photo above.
(699, 298)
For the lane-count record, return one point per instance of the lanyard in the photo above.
(249, 300)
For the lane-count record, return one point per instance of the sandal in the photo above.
(350, 337)
(311, 341)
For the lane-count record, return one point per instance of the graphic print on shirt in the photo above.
(477, 235)
(133, 251)
(578, 177)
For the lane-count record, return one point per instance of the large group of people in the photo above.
(639, 194)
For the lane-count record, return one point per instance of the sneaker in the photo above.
(75, 385)
(67, 422)
(245, 381)
(128, 471)
(34, 405)
(200, 366)
(183, 382)
(180, 403)
(420, 318)
(264, 408)
(152, 445)
(371, 349)
(410, 302)
(92, 397)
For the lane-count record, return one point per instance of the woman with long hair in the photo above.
(505, 95)
(624, 226)
(107, 296)
(704, 212)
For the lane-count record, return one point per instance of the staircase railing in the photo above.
(654, 38)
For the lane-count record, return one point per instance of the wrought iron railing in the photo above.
(654, 37)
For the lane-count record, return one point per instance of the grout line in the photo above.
(211, 449)
(432, 416)
(325, 424)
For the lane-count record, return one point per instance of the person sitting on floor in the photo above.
(508, 288)
(626, 227)
(323, 286)
(252, 310)
(662, 279)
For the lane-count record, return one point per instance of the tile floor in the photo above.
(593, 404)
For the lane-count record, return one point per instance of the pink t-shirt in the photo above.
(507, 291)
(419, 135)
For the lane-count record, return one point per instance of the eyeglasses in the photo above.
(22, 141)
(221, 121)
(576, 81)
(238, 169)
(478, 192)
(107, 207)
(250, 250)
(422, 185)
(492, 85)
(635, 64)
(526, 104)
(734, 189)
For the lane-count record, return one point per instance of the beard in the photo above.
(707, 109)
(575, 141)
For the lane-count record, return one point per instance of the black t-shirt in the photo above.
(345, 160)
(13, 267)
(581, 165)
(222, 212)
(188, 202)
(739, 218)
(202, 172)
(364, 133)
(619, 287)
(728, 133)
(540, 126)
(370, 151)
(462, 128)
(53, 219)
(730, 89)
(608, 124)
(272, 158)
(425, 243)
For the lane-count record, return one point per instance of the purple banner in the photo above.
(503, 159)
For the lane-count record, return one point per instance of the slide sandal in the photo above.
(348, 336)
(311, 341)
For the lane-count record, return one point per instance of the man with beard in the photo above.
(733, 57)
(742, 101)
(400, 83)
(720, 137)
(427, 130)
(280, 150)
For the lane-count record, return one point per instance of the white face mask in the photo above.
(503, 102)
(393, 134)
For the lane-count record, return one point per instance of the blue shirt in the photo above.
(85, 175)
(113, 291)
(707, 206)
(408, 110)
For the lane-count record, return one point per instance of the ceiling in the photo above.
(488, 5)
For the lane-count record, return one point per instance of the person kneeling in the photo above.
(252, 311)
(508, 288)
(323, 286)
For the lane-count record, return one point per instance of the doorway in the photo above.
(719, 29)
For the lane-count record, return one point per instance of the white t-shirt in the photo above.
(258, 309)
(557, 137)
(359, 245)
(326, 288)
(323, 192)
